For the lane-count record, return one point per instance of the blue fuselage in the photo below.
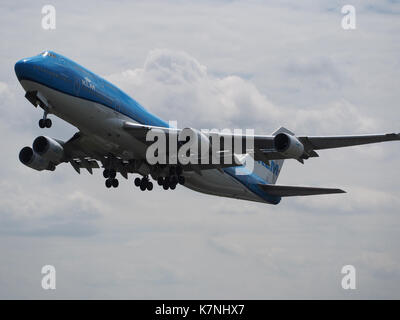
(62, 75)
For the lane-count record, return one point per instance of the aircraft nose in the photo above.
(23, 67)
(19, 68)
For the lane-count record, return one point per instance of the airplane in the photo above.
(113, 128)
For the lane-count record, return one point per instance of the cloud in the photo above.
(174, 84)
(46, 213)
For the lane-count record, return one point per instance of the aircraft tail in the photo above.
(275, 167)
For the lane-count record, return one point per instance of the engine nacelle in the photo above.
(288, 145)
(32, 160)
(49, 149)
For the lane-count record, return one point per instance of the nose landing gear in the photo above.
(45, 122)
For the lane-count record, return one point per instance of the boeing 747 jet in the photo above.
(114, 130)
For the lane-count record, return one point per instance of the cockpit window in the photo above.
(47, 53)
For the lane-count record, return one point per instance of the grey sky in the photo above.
(210, 64)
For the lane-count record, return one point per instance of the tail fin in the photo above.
(276, 165)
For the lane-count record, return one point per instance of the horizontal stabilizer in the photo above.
(290, 191)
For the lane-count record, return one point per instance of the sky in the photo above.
(210, 64)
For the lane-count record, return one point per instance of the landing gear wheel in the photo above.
(143, 187)
(149, 185)
(47, 123)
(143, 184)
(42, 123)
(181, 180)
(137, 182)
(106, 173)
(160, 181)
(112, 174)
(172, 186)
(108, 183)
(165, 184)
(115, 183)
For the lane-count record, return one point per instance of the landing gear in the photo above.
(144, 183)
(173, 181)
(115, 183)
(137, 182)
(173, 178)
(110, 175)
(108, 183)
(170, 182)
(112, 182)
(45, 122)
(166, 184)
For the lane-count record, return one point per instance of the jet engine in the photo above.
(45, 154)
(49, 149)
(288, 145)
(32, 160)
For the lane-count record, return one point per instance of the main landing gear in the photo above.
(170, 182)
(144, 183)
(110, 175)
(45, 122)
(174, 178)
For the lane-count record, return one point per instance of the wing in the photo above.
(289, 191)
(330, 142)
(82, 151)
(267, 147)
(86, 151)
(261, 148)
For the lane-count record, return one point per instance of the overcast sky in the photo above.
(217, 64)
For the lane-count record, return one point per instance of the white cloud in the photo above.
(175, 84)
